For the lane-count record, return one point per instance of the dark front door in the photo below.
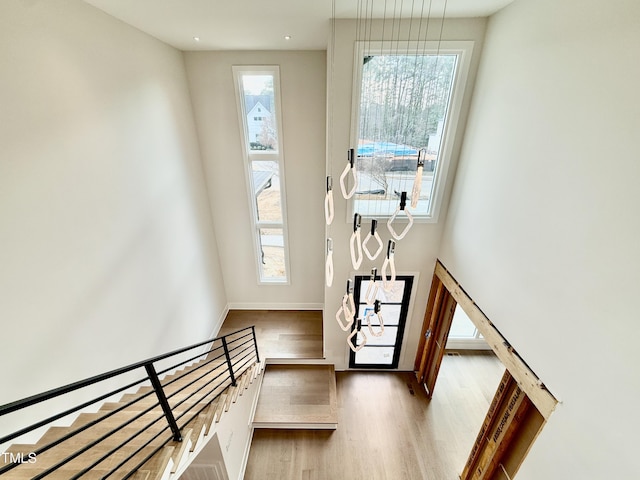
(383, 351)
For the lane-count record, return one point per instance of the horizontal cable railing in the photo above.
(131, 431)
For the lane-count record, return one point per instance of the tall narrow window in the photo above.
(408, 102)
(258, 93)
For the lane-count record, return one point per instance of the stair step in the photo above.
(185, 376)
(229, 399)
(222, 402)
(199, 425)
(181, 449)
(159, 464)
(195, 427)
(52, 457)
(27, 473)
(181, 398)
(210, 416)
(141, 475)
(107, 426)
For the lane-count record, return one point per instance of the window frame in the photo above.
(464, 50)
(251, 156)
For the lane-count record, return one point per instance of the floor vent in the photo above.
(453, 354)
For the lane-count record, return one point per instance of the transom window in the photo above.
(408, 98)
(258, 93)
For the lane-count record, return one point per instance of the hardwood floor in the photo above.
(297, 396)
(387, 428)
(279, 333)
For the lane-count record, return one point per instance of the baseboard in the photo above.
(216, 328)
(220, 321)
(297, 361)
(275, 306)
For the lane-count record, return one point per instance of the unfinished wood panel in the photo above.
(498, 399)
(434, 291)
(509, 429)
(519, 447)
(439, 334)
(526, 379)
(430, 320)
(435, 329)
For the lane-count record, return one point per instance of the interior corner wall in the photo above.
(303, 93)
(543, 229)
(416, 254)
(107, 252)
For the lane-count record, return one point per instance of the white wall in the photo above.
(543, 229)
(302, 79)
(107, 252)
(416, 254)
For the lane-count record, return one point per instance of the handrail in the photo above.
(56, 392)
(199, 384)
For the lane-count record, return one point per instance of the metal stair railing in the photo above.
(164, 410)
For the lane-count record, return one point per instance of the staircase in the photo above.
(150, 434)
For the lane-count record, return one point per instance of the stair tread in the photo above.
(48, 459)
(158, 463)
(195, 416)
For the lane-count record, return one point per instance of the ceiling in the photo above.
(263, 24)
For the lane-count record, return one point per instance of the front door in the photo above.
(383, 351)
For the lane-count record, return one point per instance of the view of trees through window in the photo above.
(404, 103)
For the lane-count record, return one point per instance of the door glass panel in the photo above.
(393, 296)
(375, 356)
(388, 338)
(390, 313)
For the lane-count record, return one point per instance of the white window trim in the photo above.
(259, 155)
(464, 49)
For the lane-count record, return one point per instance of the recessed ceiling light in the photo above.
(287, 37)
(197, 39)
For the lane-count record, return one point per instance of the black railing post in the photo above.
(255, 342)
(226, 354)
(164, 403)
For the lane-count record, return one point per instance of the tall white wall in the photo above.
(543, 229)
(417, 252)
(107, 251)
(302, 80)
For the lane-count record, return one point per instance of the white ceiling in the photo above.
(263, 24)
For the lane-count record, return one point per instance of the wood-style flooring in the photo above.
(387, 428)
(279, 333)
(297, 396)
